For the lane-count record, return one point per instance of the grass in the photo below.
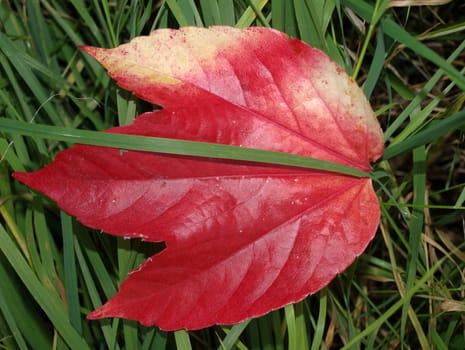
(405, 292)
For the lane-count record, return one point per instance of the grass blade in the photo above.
(171, 146)
(182, 340)
(227, 343)
(250, 14)
(320, 325)
(394, 308)
(427, 135)
(9, 319)
(415, 230)
(415, 103)
(397, 33)
(292, 335)
(49, 303)
(70, 272)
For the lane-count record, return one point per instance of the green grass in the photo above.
(405, 292)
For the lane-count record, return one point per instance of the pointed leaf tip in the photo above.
(91, 50)
(242, 239)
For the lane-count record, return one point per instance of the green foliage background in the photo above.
(405, 292)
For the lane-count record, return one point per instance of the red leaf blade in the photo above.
(292, 260)
(242, 239)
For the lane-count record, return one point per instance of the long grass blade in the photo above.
(427, 135)
(8, 315)
(415, 103)
(394, 308)
(49, 302)
(250, 14)
(171, 146)
(182, 340)
(70, 272)
(416, 229)
(228, 342)
(397, 33)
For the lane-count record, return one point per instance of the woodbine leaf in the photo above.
(242, 238)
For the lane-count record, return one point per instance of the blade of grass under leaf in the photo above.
(177, 13)
(130, 331)
(70, 271)
(394, 308)
(249, 15)
(376, 66)
(109, 332)
(427, 135)
(265, 330)
(233, 335)
(8, 317)
(415, 226)
(320, 325)
(228, 15)
(89, 258)
(182, 340)
(210, 11)
(49, 303)
(258, 12)
(396, 32)
(302, 342)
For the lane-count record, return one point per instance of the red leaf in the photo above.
(242, 239)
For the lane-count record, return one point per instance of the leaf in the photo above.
(242, 238)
